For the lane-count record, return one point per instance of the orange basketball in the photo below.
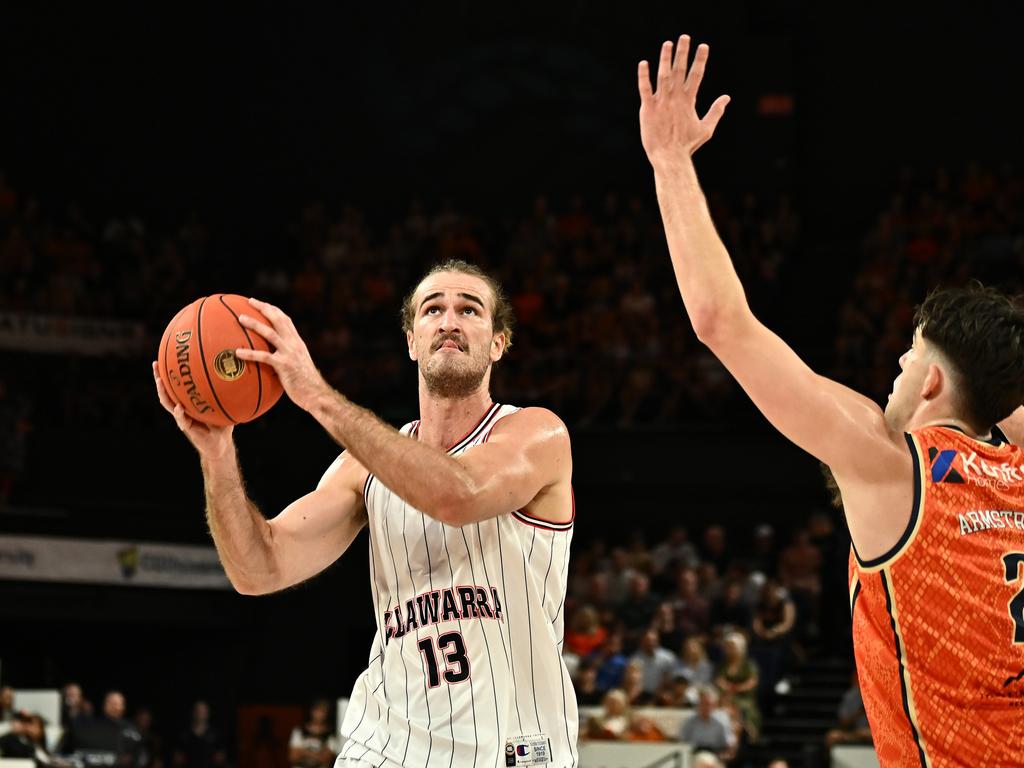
(199, 368)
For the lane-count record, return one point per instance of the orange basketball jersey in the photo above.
(938, 621)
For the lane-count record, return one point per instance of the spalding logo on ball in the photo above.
(199, 367)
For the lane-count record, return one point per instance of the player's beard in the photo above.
(454, 376)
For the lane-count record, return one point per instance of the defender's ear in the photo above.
(935, 381)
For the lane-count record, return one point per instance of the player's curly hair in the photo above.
(502, 317)
(980, 330)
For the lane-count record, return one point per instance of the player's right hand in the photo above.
(670, 126)
(211, 442)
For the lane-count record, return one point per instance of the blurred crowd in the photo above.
(712, 624)
(937, 228)
(108, 737)
(601, 333)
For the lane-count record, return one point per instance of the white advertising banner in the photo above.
(126, 563)
(55, 334)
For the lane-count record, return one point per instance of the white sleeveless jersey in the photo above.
(466, 667)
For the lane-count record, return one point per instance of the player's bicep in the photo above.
(315, 530)
(836, 425)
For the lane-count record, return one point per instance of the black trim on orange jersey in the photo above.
(903, 671)
(997, 439)
(914, 513)
(853, 600)
(475, 431)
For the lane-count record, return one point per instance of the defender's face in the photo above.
(906, 388)
(453, 338)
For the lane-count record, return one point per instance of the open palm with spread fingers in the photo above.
(669, 123)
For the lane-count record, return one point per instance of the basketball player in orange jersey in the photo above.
(470, 513)
(932, 490)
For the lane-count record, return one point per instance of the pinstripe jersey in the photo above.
(466, 666)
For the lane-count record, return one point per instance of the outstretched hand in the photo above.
(290, 358)
(669, 124)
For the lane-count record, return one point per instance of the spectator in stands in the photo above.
(778, 762)
(633, 685)
(108, 733)
(314, 744)
(716, 548)
(764, 558)
(620, 575)
(675, 549)
(774, 619)
(639, 609)
(664, 623)
(150, 753)
(613, 722)
(656, 663)
(6, 704)
(611, 663)
(707, 760)
(738, 675)
(588, 693)
(17, 742)
(694, 663)
(73, 705)
(689, 608)
(853, 721)
(709, 728)
(677, 691)
(800, 573)
(729, 610)
(200, 746)
(586, 635)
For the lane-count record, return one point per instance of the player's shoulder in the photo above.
(534, 423)
(345, 470)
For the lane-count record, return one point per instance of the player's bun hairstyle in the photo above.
(502, 317)
(981, 331)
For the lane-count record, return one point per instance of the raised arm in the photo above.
(831, 422)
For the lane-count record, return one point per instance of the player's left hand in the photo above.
(670, 127)
(290, 358)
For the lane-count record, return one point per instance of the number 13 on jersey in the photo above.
(453, 648)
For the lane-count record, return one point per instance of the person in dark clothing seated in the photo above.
(200, 746)
(107, 735)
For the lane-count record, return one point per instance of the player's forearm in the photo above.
(240, 532)
(428, 479)
(707, 280)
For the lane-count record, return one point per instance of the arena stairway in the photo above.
(796, 726)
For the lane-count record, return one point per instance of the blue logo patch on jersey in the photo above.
(942, 466)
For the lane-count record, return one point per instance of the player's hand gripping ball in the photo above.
(199, 368)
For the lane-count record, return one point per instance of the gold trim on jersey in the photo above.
(854, 586)
(905, 667)
(916, 516)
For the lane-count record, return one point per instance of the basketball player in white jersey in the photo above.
(470, 514)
